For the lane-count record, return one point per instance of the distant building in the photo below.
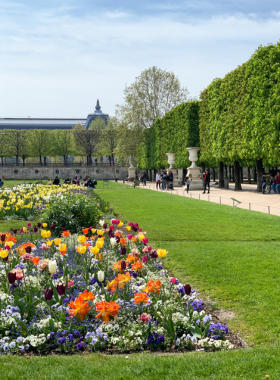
(52, 123)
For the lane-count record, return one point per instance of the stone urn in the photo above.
(171, 159)
(194, 172)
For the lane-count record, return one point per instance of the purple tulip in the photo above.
(104, 226)
(187, 289)
(12, 277)
(52, 227)
(28, 249)
(15, 231)
(3, 237)
(61, 289)
(123, 251)
(48, 294)
(118, 239)
(39, 225)
(154, 254)
(123, 265)
(35, 229)
(64, 228)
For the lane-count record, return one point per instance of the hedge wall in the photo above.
(173, 133)
(239, 115)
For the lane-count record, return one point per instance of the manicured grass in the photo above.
(229, 254)
(15, 182)
(7, 225)
(239, 364)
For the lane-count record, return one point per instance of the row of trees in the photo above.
(240, 115)
(99, 140)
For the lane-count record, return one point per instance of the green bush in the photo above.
(73, 211)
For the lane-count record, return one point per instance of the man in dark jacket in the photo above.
(56, 181)
(206, 181)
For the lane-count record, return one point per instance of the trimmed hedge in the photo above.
(173, 133)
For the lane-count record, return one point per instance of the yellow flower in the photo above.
(120, 224)
(9, 243)
(45, 234)
(49, 242)
(57, 241)
(128, 228)
(100, 232)
(93, 230)
(62, 247)
(4, 253)
(24, 229)
(82, 239)
(44, 225)
(141, 237)
(94, 250)
(82, 249)
(100, 243)
(161, 252)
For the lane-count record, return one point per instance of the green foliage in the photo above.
(173, 133)
(239, 115)
(73, 211)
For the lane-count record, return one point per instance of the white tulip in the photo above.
(113, 242)
(100, 275)
(52, 266)
(101, 222)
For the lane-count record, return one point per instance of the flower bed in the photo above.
(103, 290)
(26, 201)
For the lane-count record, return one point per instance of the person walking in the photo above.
(277, 183)
(95, 161)
(270, 187)
(144, 179)
(263, 183)
(206, 181)
(158, 181)
(188, 182)
(164, 180)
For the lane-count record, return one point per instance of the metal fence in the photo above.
(58, 164)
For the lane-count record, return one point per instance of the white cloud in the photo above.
(53, 63)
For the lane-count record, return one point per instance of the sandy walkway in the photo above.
(249, 198)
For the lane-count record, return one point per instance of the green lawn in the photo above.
(228, 254)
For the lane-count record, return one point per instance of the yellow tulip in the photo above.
(62, 247)
(4, 253)
(24, 229)
(93, 230)
(57, 241)
(100, 243)
(9, 243)
(100, 232)
(128, 228)
(161, 252)
(44, 225)
(82, 249)
(141, 237)
(82, 239)
(120, 224)
(94, 250)
(49, 242)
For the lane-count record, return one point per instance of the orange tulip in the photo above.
(132, 259)
(79, 308)
(107, 310)
(123, 242)
(134, 239)
(35, 260)
(141, 298)
(137, 266)
(85, 230)
(87, 296)
(65, 233)
(153, 287)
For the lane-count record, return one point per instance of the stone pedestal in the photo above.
(131, 172)
(171, 160)
(194, 172)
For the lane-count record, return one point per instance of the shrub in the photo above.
(73, 211)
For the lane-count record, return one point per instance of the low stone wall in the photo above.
(42, 172)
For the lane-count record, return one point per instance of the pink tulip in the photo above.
(129, 237)
(145, 250)
(149, 248)
(173, 280)
(28, 224)
(145, 240)
(144, 317)
(144, 259)
(18, 272)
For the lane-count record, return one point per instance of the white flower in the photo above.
(52, 266)
(100, 276)
(113, 242)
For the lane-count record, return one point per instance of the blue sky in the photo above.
(57, 57)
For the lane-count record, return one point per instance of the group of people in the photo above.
(87, 182)
(164, 180)
(273, 183)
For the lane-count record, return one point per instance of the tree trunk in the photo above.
(2, 159)
(259, 174)
(226, 174)
(17, 161)
(221, 175)
(229, 173)
(241, 174)
(113, 159)
(45, 161)
(214, 178)
(237, 176)
(23, 160)
(203, 167)
(233, 174)
(40, 160)
(249, 175)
